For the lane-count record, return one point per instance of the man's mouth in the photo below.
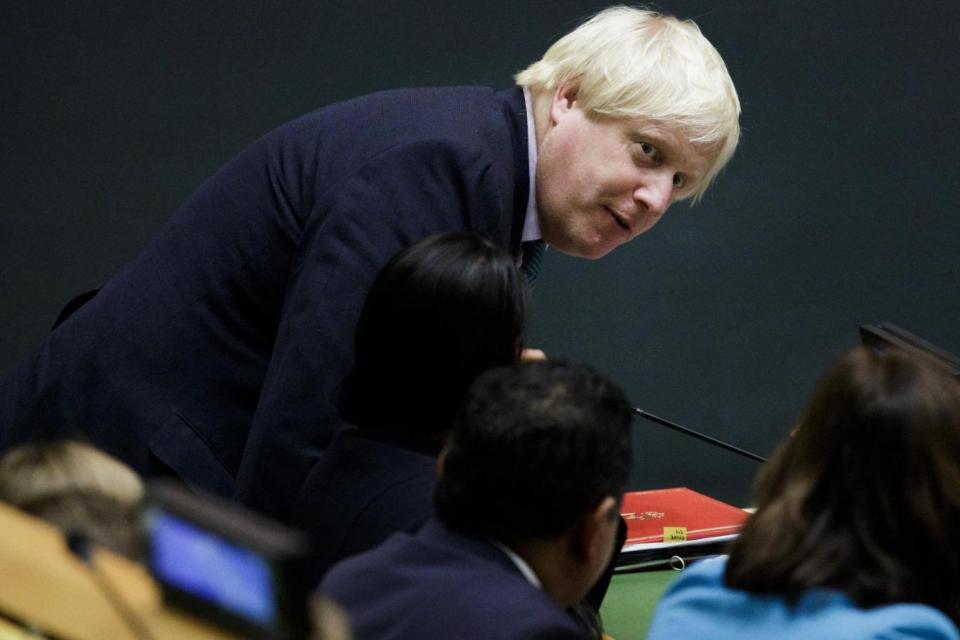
(619, 219)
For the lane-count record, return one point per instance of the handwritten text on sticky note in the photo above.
(674, 534)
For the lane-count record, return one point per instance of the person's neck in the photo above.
(550, 560)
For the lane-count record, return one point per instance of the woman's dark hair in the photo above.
(439, 313)
(865, 497)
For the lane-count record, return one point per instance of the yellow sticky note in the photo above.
(674, 534)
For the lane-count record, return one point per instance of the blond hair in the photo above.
(635, 63)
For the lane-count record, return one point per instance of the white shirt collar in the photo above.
(531, 220)
(520, 563)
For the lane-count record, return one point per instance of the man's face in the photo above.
(598, 536)
(601, 182)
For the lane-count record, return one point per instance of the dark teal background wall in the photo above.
(841, 206)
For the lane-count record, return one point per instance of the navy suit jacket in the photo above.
(217, 353)
(359, 493)
(441, 584)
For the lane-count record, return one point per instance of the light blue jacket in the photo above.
(699, 605)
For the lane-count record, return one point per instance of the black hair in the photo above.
(438, 314)
(535, 447)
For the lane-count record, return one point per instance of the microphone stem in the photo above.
(698, 435)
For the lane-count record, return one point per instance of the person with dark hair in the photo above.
(857, 522)
(439, 314)
(527, 501)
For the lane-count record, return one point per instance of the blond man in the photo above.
(217, 354)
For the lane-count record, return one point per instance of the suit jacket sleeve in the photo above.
(405, 193)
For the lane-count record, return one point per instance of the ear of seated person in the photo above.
(857, 522)
(437, 315)
(527, 504)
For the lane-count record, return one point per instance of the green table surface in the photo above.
(630, 600)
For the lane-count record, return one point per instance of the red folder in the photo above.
(648, 512)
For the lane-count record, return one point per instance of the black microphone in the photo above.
(699, 436)
(80, 546)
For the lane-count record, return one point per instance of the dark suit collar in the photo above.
(515, 110)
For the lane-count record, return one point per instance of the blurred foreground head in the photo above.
(77, 488)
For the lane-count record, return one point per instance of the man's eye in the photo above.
(648, 149)
(678, 180)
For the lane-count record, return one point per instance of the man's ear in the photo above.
(564, 98)
(595, 533)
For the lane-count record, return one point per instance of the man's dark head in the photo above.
(535, 448)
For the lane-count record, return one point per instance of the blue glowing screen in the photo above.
(211, 568)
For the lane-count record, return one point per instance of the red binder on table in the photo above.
(648, 513)
(697, 526)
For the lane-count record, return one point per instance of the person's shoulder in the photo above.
(405, 484)
(698, 602)
(361, 472)
(492, 602)
(535, 615)
(386, 118)
(482, 597)
(703, 573)
(458, 94)
(394, 113)
(700, 584)
(414, 103)
(398, 498)
(353, 572)
(338, 487)
(910, 621)
(826, 610)
(500, 599)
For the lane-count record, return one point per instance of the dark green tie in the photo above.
(532, 259)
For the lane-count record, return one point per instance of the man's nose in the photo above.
(656, 192)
